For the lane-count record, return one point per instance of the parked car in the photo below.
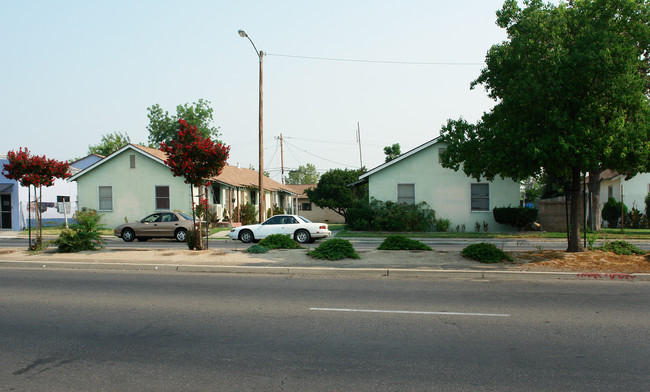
(157, 225)
(299, 228)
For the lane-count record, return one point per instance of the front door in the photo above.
(5, 214)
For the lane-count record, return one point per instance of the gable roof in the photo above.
(300, 189)
(399, 158)
(230, 175)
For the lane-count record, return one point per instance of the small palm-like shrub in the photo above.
(402, 242)
(485, 253)
(82, 235)
(621, 248)
(256, 249)
(279, 241)
(334, 249)
(192, 239)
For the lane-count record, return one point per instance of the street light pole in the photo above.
(260, 56)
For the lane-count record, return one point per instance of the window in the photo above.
(480, 197)
(132, 161)
(305, 206)
(162, 197)
(610, 192)
(253, 198)
(440, 151)
(216, 194)
(406, 193)
(105, 198)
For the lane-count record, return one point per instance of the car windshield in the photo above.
(304, 219)
(184, 215)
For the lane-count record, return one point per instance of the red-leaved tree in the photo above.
(196, 158)
(37, 171)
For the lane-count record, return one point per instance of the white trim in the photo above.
(397, 191)
(113, 155)
(99, 199)
(155, 198)
(470, 197)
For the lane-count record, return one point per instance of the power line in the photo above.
(325, 159)
(374, 61)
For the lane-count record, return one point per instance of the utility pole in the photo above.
(359, 141)
(282, 158)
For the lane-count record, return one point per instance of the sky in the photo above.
(72, 71)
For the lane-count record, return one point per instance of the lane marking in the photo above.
(411, 312)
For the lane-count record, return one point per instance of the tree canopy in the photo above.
(392, 152)
(303, 175)
(163, 127)
(109, 143)
(571, 85)
(333, 191)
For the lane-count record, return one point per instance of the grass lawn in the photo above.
(639, 234)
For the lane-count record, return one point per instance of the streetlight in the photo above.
(260, 56)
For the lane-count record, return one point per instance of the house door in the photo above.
(5, 214)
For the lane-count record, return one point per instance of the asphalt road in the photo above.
(114, 331)
(441, 244)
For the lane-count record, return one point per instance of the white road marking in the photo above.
(411, 312)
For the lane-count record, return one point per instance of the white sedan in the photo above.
(299, 228)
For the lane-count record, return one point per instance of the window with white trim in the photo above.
(406, 193)
(480, 197)
(132, 161)
(105, 198)
(162, 197)
(440, 152)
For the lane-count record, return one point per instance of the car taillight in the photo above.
(324, 227)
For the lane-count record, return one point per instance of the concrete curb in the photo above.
(335, 272)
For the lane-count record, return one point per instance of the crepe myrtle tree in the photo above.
(571, 84)
(34, 171)
(196, 158)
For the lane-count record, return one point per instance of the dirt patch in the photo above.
(588, 261)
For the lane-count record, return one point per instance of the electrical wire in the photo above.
(373, 61)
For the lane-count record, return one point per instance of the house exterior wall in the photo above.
(133, 188)
(9, 189)
(445, 191)
(634, 190)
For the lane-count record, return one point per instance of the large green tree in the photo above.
(571, 85)
(303, 175)
(333, 190)
(109, 143)
(164, 128)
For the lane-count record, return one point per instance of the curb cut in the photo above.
(335, 272)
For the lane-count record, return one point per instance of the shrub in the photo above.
(247, 214)
(279, 241)
(334, 249)
(274, 210)
(390, 216)
(612, 212)
(485, 253)
(633, 219)
(518, 217)
(402, 242)
(443, 224)
(256, 249)
(647, 204)
(192, 239)
(621, 248)
(83, 234)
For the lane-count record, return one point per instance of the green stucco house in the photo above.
(134, 182)
(418, 176)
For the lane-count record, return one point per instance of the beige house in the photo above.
(134, 182)
(310, 210)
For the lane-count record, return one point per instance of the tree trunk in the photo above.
(595, 211)
(574, 214)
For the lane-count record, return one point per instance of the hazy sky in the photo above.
(72, 71)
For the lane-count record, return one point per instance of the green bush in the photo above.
(274, 210)
(402, 242)
(279, 241)
(633, 219)
(247, 214)
(334, 249)
(257, 248)
(485, 253)
(518, 217)
(390, 216)
(82, 235)
(647, 204)
(612, 212)
(192, 239)
(621, 248)
(443, 224)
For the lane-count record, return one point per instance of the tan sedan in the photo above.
(157, 225)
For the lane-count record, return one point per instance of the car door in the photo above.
(273, 225)
(168, 225)
(148, 227)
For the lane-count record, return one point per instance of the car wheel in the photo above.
(128, 235)
(246, 236)
(180, 235)
(302, 236)
(143, 239)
